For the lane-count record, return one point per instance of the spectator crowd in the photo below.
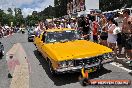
(114, 31)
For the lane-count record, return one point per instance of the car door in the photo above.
(39, 43)
(43, 46)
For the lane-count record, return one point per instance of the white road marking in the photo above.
(120, 66)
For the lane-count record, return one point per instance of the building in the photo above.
(79, 7)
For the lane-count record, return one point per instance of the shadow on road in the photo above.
(0, 57)
(68, 78)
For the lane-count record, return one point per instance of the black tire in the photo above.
(28, 40)
(101, 66)
(84, 81)
(38, 52)
(52, 71)
(23, 32)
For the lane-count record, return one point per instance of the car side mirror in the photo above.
(43, 38)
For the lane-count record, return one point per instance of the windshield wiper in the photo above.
(63, 41)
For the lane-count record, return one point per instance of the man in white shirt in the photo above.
(119, 21)
(68, 25)
(36, 30)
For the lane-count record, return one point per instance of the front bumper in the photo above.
(31, 37)
(107, 61)
(78, 68)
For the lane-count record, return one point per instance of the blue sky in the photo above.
(27, 6)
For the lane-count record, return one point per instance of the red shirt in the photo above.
(95, 26)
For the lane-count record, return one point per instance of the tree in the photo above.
(18, 16)
(60, 7)
(109, 5)
(10, 11)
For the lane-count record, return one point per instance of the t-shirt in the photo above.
(95, 26)
(68, 26)
(119, 21)
(111, 37)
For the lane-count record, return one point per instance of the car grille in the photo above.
(87, 61)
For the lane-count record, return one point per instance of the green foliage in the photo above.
(109, 5)
(7, 18)
(60, 8)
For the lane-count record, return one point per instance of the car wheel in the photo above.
(51, 69)
(38, 52)
(101, 66)
(28, 40)
(84, 82)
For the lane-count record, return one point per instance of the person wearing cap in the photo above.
(127, 34)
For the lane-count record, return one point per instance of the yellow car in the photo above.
(66, 52)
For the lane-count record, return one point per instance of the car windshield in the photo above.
(62, 36)
(31, 30)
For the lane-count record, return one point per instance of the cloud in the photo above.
(37, 5)
(28, 11)
(27, 6)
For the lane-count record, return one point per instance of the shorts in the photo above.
(95, 38)
(129, 44)
(119, 39)
(103, 37)
(123, 40)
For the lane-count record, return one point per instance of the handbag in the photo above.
(116, 30)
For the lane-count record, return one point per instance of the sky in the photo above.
(27, 6)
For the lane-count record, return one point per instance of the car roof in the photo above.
(57, 30)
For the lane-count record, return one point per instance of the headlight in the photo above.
(71, 63)
(108, 55)
(63, 64)
(105, 56)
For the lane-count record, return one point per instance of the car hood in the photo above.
(76, 49)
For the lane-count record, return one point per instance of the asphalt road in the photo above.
(40, 76)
